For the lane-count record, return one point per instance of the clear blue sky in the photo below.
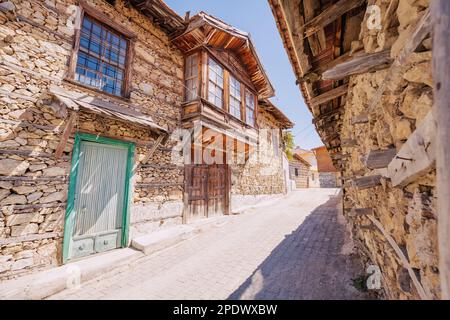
(255, 17)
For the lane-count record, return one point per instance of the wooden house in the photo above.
(299, 170)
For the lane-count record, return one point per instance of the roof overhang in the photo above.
(77, 101)
(283, 120)
(206, 30)
(299, 158)
(160, 14)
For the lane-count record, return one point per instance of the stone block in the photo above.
(54, 197)
(13, 167)
(18, 219)
(22, 264)
(22, 230)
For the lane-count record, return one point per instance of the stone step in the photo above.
(160, 240)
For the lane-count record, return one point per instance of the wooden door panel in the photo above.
(207, 190)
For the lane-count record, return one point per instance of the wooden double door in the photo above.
(207, 191)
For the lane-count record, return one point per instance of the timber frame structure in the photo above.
(324, 61)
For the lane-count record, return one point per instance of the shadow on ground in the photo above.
(308, 263)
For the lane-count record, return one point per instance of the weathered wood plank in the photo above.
(367, 182)
(402, 258)
(30, 153)
(158, 185)
(37, 206)
(31, 237)
(362, 211)
(417, 156)
(310, 6)
(360, 64)
(66, 134)
(360, 119)
(348, 143)
(330, 14)
(440, 11)
(329, 95)
(377, 159)
(153, 149)
(29, 178)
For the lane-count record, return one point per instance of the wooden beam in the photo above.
(329, 95)
(32, 178)
(153, 148)
(355, 212)
(360, 64)
(330, 14)
(367, 182)
(377, 159)
(29, 153)
(309, 8)
(417, 156)
(402, 258)
(31, 237)
(418, 34)
(66, 134)
(321, 68)
(360, 119)
(440, 12)
(348, 143)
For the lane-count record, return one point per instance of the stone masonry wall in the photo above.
(34, 53)
(408, 214)
(258, 177)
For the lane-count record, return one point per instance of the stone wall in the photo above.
(34, 52)
(263, 173)
(408, 214)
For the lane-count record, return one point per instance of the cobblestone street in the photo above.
(296, 248)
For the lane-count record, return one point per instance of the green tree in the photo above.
(289, 144)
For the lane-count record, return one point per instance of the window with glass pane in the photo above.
(191, 77)
(215, 87)
(101, 57)
(250, 108)
(235, 97)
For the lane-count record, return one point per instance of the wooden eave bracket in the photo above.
(70, 124)
(163, 137)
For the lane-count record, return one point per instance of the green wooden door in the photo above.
(99, 199)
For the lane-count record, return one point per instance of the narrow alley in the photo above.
(255, 255)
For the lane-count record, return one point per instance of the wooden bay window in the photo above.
(191, 77)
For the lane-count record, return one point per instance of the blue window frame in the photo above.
(102, 57)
